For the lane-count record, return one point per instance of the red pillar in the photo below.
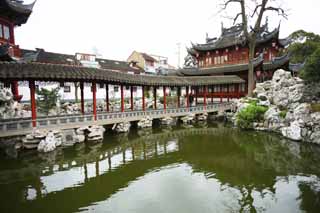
(107, 98)
(221, 92)
(94, 100)
(228, 92)
(32, 87)
(131, 97)
(212, 89)
(164, 98)
(187, 96)
(205, 96)
(238, 90)
(155, 97)
(178, 96)
(122, 98)
(82, 98)
(196, 88)
(143, 100)
(15, 90)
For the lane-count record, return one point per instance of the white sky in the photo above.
(116, 28)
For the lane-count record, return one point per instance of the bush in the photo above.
(311, 71)
(47, 99)
(315, 107)
(283, 114)
(249, 115)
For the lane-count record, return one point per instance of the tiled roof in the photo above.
(55, 72)
(148, 57)
(234, 36)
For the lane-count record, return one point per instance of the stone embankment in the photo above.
(289, 104)
(47, 141)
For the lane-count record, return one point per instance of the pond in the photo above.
(213, 168)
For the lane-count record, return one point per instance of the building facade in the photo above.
(229, 55)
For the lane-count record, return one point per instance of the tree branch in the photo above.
(235, 18)
(225, 5)
(280, 11)
(256, 10)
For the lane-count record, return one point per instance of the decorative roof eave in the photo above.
(278, 62)
(54, 72)
(285, 41)
(4, 53)
(16, 12)
(296, 67)
(241, 41)
(19, 7)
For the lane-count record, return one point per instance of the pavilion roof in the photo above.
(71, 73)
(234, 36)
(15, 11)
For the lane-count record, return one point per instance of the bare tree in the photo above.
(260, 7)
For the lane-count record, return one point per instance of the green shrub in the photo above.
(315, 107)
(283, 113)
(249, 115)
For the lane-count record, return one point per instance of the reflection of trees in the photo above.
(310, 195)
(246, 161)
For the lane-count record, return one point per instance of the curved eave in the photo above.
(53, 72)
(219, 70)
(15, 12)
(20, 8)
(276, 63)
(230, 42)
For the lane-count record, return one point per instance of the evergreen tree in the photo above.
(47, 99)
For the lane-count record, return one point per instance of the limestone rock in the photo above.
(48, 144)
(292, 132)
(145, 122)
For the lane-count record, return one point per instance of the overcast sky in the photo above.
(116, 28)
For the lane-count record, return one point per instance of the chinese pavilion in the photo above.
(229, 55)
(12, 13)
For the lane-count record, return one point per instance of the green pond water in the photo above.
(197, 169)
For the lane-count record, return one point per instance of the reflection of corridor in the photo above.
(95, 173)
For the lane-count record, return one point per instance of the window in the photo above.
(66, 89)
(215, 60)
(6, 32)
(127, 87)
(116, 89)
(217, 88)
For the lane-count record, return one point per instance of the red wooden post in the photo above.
(237, 91)
(155, 97)
(164, 98)
(187, 96)
(196, 95)
(228, 92)
(178, 96)
(143, 100)
(15, 90)
(122, 98)
(82, 98)
(205, 96)
(221, 92)
(94, 100)
(32, 87)
(211, 94)
(131, 97)
(107, 97)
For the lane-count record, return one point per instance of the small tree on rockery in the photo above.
(47, 99)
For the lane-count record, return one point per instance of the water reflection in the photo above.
(207, 169)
